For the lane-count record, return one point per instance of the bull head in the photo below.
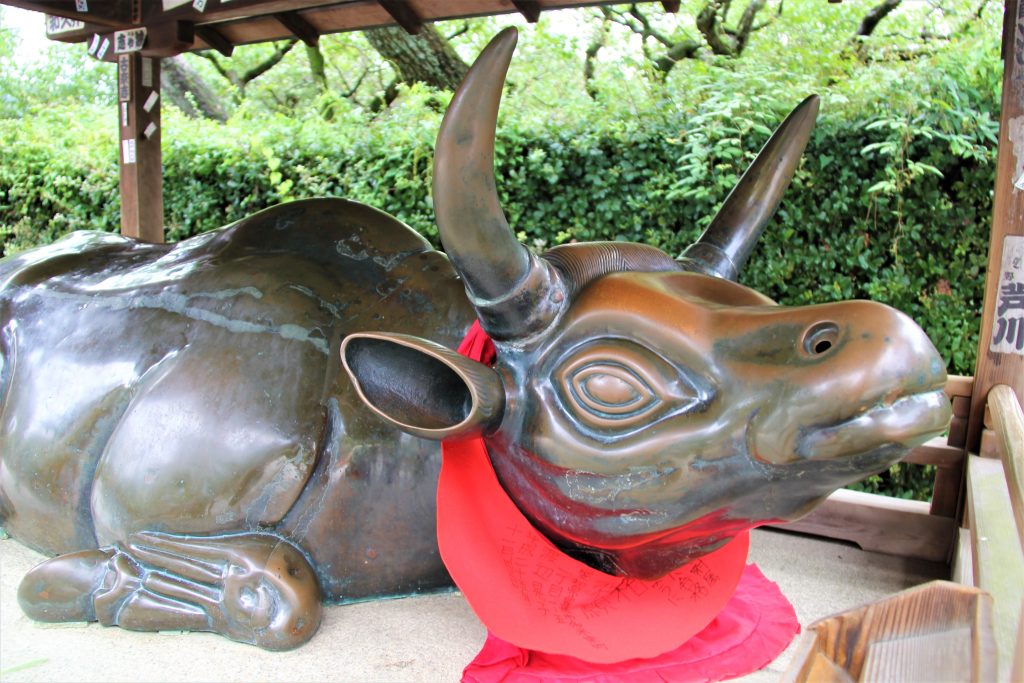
(644, 410)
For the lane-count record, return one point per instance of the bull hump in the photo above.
(331, 231)
(201, 327)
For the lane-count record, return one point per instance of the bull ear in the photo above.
(422, 387)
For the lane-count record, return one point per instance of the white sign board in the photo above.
(1008, 323)
(130, 40)
(57, 25)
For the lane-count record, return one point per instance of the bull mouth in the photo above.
(906, 422)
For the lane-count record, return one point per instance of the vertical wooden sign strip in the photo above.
(1001, 346)
(142, 203)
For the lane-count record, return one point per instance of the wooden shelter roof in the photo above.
(175, 26)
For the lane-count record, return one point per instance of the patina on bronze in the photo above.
(177, 430)
(654, 408)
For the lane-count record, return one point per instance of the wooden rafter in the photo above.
(214, 39)
(299, 27)
(403, 15)
(528, 8)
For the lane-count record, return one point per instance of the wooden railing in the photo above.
(991, 549)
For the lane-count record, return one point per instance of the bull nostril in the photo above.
(820, 338)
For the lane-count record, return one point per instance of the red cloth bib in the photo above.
(532, 595)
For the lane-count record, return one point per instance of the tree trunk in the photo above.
(184, 87)
(424, 58)
(316, 66)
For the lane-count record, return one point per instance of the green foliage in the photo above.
(901, 480)
(57, 175)
(58, 75)
(891, 203)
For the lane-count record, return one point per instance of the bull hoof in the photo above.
(61, 588)
(253, 588)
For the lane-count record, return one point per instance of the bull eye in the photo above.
(610, 390)
(615, 387)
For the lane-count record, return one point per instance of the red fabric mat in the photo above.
(754, 628)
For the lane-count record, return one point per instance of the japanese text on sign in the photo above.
(58, 25)
(124, 78)
(1008, 324)
(130, 40)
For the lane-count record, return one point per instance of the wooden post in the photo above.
(142, 201)
(1001, 347)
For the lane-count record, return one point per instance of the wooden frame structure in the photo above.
(975, 521)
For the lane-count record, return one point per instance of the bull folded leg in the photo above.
(253, 588)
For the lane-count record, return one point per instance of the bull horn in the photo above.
(515, 294)
(727, 243)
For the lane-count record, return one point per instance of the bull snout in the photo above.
(860, 379)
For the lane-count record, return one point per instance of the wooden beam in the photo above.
(103, 12)
(142, 203)
(169, 38)
(1008, 424)
(403, 15)
(949, 461)
(214, 39)
(935, 452)
(225, 10)
(529, 9)
(880, 524)
(243, 22)
(959, 385)
(946, 490)
(1001, 345)
(998, 557)
(299, 27)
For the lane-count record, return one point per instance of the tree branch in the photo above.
(280, 50)
(351, 91)
(746, 24)
(637, 22)
(708, 20)
(217, 64)
(600, 38)
(316, 66)
(458, 32)
(874, 16)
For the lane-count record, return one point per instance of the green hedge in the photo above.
(849, 227)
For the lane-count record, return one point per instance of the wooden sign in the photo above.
(1008, 322)
(130, 40)
(124, 78)
(58, 25)
(128, 151)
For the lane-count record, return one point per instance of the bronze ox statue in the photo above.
(178, 430)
